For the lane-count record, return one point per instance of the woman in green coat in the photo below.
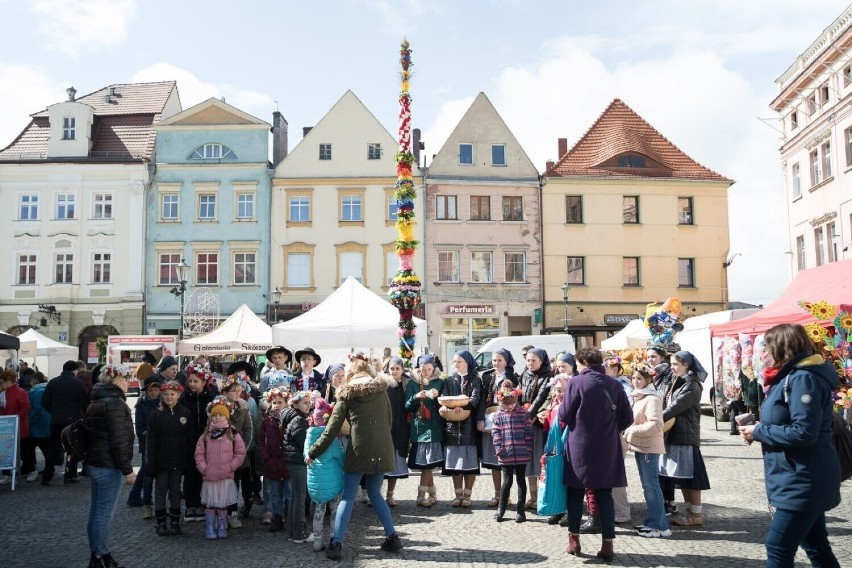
(427, 427)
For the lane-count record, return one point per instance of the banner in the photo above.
(9, 444)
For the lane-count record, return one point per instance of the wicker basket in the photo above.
(454, 401)
(450, 416)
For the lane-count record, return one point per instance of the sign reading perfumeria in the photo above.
(471, 310)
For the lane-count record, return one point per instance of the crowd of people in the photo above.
(308, 445)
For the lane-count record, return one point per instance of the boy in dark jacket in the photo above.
(294, 425)
(197, 396)
(141, 494)
(168, 444)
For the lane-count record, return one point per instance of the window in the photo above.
(498, 154)
(64, 268)
(800, 252)
(824, 94)
(819, 245)
(448, 266)
(351, 264)
(69, 128)
(207, 207)
(298, 270)
(847, 75)
(391, 266)
(480, 208)
(101, 268)
(65, 206)
(797, 181)
(446, 207)
(28, 207)
(513, 208)
(245, 206)
(833, 239)
(848, 136)
(814, 161)
(480, 267)
(26, 269)
(103, 206)
(374, 152)
(168, 269)
(576, 270)
(812, 104)
(684, 211)
(393, 207)
(631, 161)
(350, 208)
(213, 152)
(686, 272)
(573, 208)
(630, 209)
(245, 264)
(300, 209)
(466, 154)
(325, 151)
(207, 268)
(794, 120)
(630, 271)
(826, 159)
(516, 267)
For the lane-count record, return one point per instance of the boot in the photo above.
(521, 517)
(109, 562)
(563, 522)
(574, 544)
(459, 496)
(174, 521)
(246, 508)
(210, 524)
(689, 519)
(606, 553)
(277, 524)
(162, 529)
(422, 500)
(592, 525)
(95, 562)
(433, 495)
(501, 510)
(222, 526)
(532, 502)
(318, 541)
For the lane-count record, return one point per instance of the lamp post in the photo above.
(180, 290)
(565, 304)
(276, 299)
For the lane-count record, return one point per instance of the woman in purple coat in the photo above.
(596, 410)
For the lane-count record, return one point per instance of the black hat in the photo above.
(279, 349)
(238, 366)
(166, 362)
(70, 366)
(151, 382)
(308, 351)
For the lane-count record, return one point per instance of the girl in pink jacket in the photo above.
(219, 452)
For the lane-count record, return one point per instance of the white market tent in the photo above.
(242, 332)
(48, 355)
(634, 335)
(351, 317)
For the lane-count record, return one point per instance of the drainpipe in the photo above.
(540, 238)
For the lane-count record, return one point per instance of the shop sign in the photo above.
(619, 319)
(469, 310)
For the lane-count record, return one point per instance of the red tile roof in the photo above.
(129, 98)
(620, 130)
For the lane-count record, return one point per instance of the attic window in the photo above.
(69, 128)
(631, 161)
(213, 152)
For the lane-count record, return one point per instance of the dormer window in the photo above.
(69, 128)
(631, 161)
(213, 152)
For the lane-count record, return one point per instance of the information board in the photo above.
(9, 444)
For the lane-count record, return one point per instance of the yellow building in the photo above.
(627, 219)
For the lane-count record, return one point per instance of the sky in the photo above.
(701, 72)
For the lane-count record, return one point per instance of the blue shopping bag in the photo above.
(552, 492)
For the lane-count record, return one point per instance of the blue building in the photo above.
(208, 206)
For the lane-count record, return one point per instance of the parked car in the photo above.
(553, 344)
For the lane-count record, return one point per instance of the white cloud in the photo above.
(72, 26)
(26, 90)
(402, 14)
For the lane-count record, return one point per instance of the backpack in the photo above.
(842, 437)
(75, 439)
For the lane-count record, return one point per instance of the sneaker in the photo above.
(267, 518)
(193, 514)
(234, 521)
(31, 476)
(310, 538)
(298, 540)
(70, 480)
(318, 545)
(364, 498)
(392, 543)
(654, 533)
(638, 528)
(147, 513)
(671, 509)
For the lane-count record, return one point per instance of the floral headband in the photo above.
(644, 369)
(118, 371)
(173, 386)
(219, 400)
(299, 396)
(359, 355)
(276, 392)
(511, 393)
(199, 371)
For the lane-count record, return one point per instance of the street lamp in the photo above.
(180, 290)
(565, 304)
(276, 299)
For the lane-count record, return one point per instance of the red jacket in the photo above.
(18, 403)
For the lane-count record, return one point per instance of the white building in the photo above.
(815, 106)
(73, 186)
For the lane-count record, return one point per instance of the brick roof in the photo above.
(620, 130)
(130, 98)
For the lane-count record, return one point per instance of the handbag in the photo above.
(553, 496)
(667, 425)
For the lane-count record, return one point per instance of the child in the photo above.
(142, 490)
(294, 425)
(513, 442)
(325, 474)
(167, 447)
(219, 452)
(270, 447)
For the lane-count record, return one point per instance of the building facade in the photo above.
(208, 206)
(483, 247)
(628, 218)
(333, 210)
(813, 103)
(75, 180)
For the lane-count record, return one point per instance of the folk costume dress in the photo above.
(460, 450)
(427, 429)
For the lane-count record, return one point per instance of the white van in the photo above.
(515, 344)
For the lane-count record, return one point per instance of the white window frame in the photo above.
(248, 202)
(391, 266)
(173, 262)
(213, 151)
(102, 260)
(481, 256)
(69, 128)
(29, 262)
(825, 150)
(374, 151)
(103, 202)
(304, 202)
(797, 180)
(350, 254)
(455, 262)
(354, 201)
(801, 258)
(249, 266)
(67, 262)
(325, 152)
(507, 263)
(66, 202)
(176, 205)
(292, 280)
(198, 264)
(393, 208)
(203, 201)
(28, 201)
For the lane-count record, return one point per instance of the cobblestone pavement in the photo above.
(45, 527)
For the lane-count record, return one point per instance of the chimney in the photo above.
(548, 165)
(279, 138)
(563, 147)
(415, 145)
(71, 93)
(305, 130)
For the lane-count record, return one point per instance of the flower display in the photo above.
(821, 310)
(833, 343)
(843, 322)
(118, 371)
(816, 332)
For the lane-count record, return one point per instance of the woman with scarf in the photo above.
(426, 431)
(801, 469)
(503, 369)
(398, 382)
(682, 465)
(658, 358)
(332, 377)
(534, 389)
(461, 458)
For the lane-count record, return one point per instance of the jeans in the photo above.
(106, 484)
(606, 510)
(296, 511)
(347, 502)
(276, 495)
(649, 475)
(791, 529)
(143, 487)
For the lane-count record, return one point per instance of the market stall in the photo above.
(242, 332)
(46, 354)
